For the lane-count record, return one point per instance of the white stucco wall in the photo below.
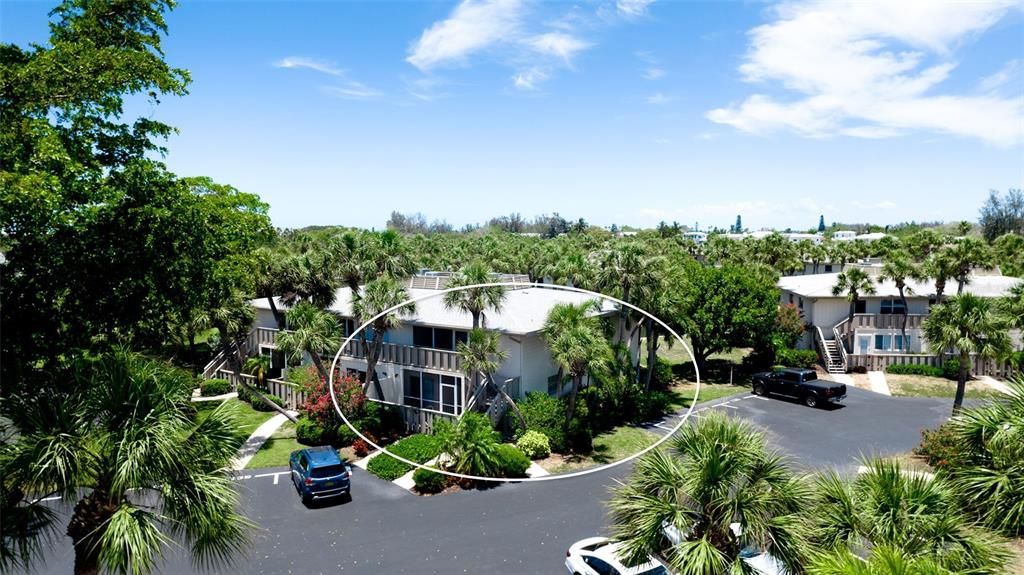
(537, 365)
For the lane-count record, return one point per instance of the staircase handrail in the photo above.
(840, 343)
(820, 341)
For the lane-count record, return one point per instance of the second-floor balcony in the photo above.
(407, 355)
(863, 321)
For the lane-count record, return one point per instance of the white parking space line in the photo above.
(660, 426)
(276, 476)
(729, 406)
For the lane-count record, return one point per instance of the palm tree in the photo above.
(882, 560)
(377, 296)
(577, 344)
(913, 514)
(258, 366)
(122, 442)
(853, 283)
(968, 324)
(939, 266)
(313, 331)
(625, 273)
(475, 301)
(898, 269)
(991, 437)
(481, 357)
(717, 473)
(965, 255)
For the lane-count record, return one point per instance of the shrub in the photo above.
(534, 444)
(580, 438)
(344, 436)
(472, 444)
(259, 405)
(429, 481)
(304, 377)
(511, 461)
(211, 387)
(419, 448)
(319, 406)
(914, 369)
(663, 375)
(361, 448)
(806, 358)
(941, 447)
(546, 414)
(309, 432)
(951, 369)
(652, 405)
(244, 394)
(859, 369)
(387, 468)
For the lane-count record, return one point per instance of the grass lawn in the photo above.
(682, 393)
(276, 450)
(248, 418)
(925, 386)
(677, 353)
(608, 447)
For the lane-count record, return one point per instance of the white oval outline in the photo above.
(552, 477)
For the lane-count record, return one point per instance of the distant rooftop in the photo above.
(820, 285)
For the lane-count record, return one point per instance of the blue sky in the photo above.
(625, 112)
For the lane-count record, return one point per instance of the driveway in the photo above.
(523, 528)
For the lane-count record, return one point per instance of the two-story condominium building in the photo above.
(419, 367)
(877, 340)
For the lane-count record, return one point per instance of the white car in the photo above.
(761, 562)
(600, 556)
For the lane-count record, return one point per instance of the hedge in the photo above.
(511, 461)
(914, 369)
(419, 448)
(429, 481)
(805, 358)
(546, 414)
(211, 387)
(309, 432)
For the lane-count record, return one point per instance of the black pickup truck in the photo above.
(802, 384)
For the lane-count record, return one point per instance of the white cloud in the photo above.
(473, 26)
(870, 70)
(1000, 78)
(632, 8)
(310, 64)
(653, 73)
(564, 46)
(352, 91)
(658, 99)
(529, 79)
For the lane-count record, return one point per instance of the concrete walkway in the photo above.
(878, 382)
(843, 378)
(257, 439)
(197, 397)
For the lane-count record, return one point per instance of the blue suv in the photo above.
(318, 472)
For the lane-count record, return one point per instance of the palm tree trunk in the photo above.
(319, 364)
(192, 352)
(508, 398)
(903, 327)
(571, 408)
(961, 383)
(371, 369)
(86, 528)
(652, 353)
(849, 323)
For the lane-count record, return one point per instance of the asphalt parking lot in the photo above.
(523, 528)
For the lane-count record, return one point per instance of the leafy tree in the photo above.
(853, 283)
(577, 344)
(725, 307)
(913, 515)
(116, 435)
(717, 473)
(1001, 216)
(378, 296)
(968, 324)
(1008, 253)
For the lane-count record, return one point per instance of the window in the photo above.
(902, 343)
(358, 374)
(349, 325)
(433, 391)
(883, 342)
(599, 566)
(303, 462)
(891, 306)
(422, 336)
(327, 471)
(436, 337)
(801, 303)
(828, 268)
(790, 299)
(860, 307)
